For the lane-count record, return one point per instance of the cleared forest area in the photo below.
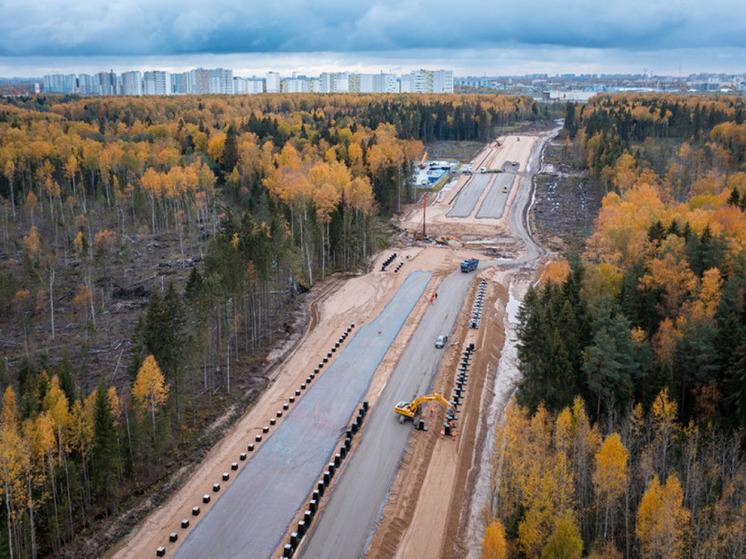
(185, 229)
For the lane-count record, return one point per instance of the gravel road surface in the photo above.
(467, 199)
(359, 493)
(251, 517)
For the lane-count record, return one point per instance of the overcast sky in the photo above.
(477, 37)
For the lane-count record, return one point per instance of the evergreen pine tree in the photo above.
(104, 454)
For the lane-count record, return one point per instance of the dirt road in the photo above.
(436, 505)
(361, 300)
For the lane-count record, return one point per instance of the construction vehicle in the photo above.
(469, 265)
(447, 240)
(407, 410)
(422, 162)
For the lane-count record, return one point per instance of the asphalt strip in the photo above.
(252, 516)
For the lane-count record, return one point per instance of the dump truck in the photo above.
(407, 410)
(469, 265)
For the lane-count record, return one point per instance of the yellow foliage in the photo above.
(664, 410)
(662, 520)
(149, 391)
(610, 475)
(555, 272)
(565, 541)
(33, 243)
(600, 281)
(216, 147)
(674, 277)
(493, 544)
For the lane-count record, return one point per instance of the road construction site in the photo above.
(394, 491)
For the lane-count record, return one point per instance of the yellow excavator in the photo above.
(407, 410)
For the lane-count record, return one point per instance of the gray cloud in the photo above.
(171, 27)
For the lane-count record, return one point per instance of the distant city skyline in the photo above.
(508, 63)
(475, 37)
(220, 81)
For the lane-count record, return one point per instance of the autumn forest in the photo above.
(626, 435)
(153, 254)
(154, 251)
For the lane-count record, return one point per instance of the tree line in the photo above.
(639, 485)
(642, 341)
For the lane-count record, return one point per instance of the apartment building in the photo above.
(107, 83)
(220, 81)
(273, 82)
(244, 86)
(58, 83)
(131, 83)
(201, 81)
(156, 82)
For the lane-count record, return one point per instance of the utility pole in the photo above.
(424, 209)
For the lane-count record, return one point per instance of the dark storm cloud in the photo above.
(162, 27)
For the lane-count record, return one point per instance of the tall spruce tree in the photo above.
(104, 457)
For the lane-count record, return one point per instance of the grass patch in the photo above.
(461, 151)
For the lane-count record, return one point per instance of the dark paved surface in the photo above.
(358, 495)
(251, 517)
(493, 205)
(467, 199)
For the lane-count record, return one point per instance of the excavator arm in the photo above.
(410, 409)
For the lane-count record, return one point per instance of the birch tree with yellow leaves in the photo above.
(149, 392)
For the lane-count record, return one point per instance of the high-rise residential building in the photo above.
(201, 81)
(198, 82)
(388, 83)
(296, 85)
(86, 84)
(131, 83)
(442, 81)
(220, 81)
(342, 82)
(327, 82)
(59, 83)
(243, 86)
(354, 82)
(107, 83)
(180, 83)
(373, 83)
(273, 82)
(427, 81)
(157, 82)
